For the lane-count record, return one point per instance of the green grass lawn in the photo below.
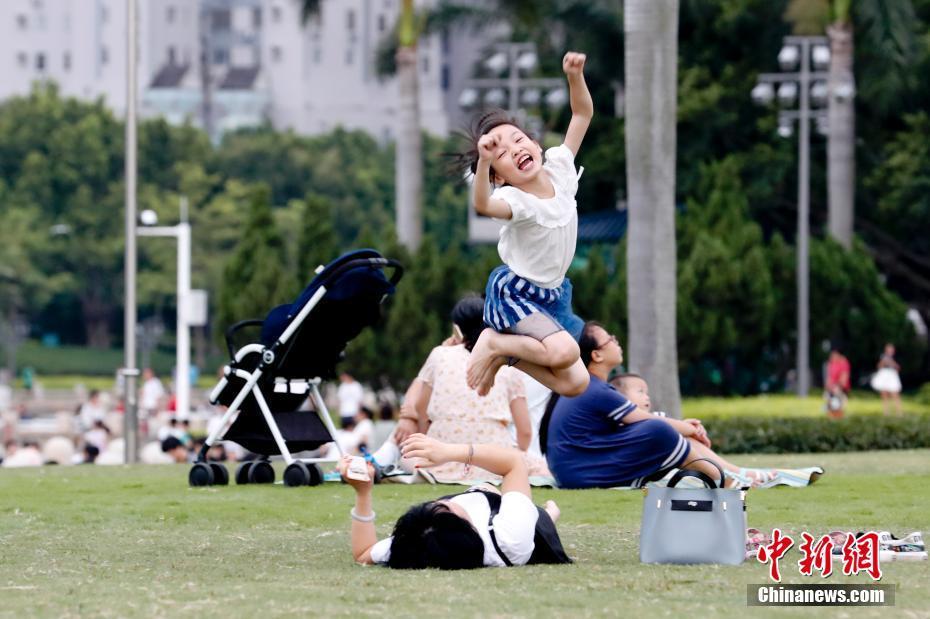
(137, 542)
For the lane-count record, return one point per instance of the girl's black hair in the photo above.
(430, 535)
(468, 314)
(466, 160)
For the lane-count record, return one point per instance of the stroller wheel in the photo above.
(201, 475)
(316, 475)
(242, 472)
(296, 474)
(261, 473)
(220, 474)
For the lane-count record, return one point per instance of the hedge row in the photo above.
(776, 435)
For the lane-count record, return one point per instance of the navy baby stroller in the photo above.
(265, 383)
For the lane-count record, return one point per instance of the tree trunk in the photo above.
(651, 57)
(96, 320)
(841, 143)
(408, 169)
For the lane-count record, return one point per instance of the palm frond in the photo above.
(888, 26)
(886, 29)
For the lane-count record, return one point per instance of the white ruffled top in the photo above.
(538, 241)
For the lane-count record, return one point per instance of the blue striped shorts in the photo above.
(510, 298)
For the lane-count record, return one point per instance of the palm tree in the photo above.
(408, 169)
(886, 29)
(841, 118)
(650, 59)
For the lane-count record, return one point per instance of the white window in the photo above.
(40, 61)
(382, 23)
(257, 17)
(276, 14)
(317, 55)
(22, 22)
(22, 59)
(350, 19)
(425, 64)
(170, 13)
(350, 57)
(66, 61)
(104, 55)
(104, 14)
(172, 55)
(276, 54)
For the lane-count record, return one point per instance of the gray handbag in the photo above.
(693, 525)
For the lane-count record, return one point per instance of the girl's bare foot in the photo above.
(553, 510)
(481, 359)
(487, 379)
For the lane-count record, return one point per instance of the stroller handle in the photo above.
(231, 331)
(379, 263)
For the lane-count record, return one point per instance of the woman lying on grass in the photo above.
(455, 532)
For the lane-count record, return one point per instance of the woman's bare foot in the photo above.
(481, 360)
(553, 510)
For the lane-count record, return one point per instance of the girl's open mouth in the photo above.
(524, 163)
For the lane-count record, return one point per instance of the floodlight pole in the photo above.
(804, 78)
(804, 224)
(130, 371)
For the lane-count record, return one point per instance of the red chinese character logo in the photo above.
(819, 555)
(862, 555)
(775, 551)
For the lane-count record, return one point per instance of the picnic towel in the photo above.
(424, 476)
(794, 478)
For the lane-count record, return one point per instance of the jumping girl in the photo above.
(528, 298)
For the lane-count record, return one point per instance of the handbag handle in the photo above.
(703, 477)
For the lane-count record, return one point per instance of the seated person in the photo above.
(635, 389)
(601, 439)
(456, 532)
(440, 404)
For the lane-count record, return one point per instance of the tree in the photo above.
(256, 276)
(901, 184)
(726, 298)
(317, 242)
(887, 31)
(650, 63)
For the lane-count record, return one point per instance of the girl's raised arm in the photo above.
(580, 98)
(484, 203)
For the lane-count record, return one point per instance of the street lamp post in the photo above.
(129, 370)
(798, 81)
(182, 232)
(514, 92)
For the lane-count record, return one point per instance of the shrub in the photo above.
(923, 394)
(818, 434)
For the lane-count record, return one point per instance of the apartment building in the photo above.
(224, 64)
